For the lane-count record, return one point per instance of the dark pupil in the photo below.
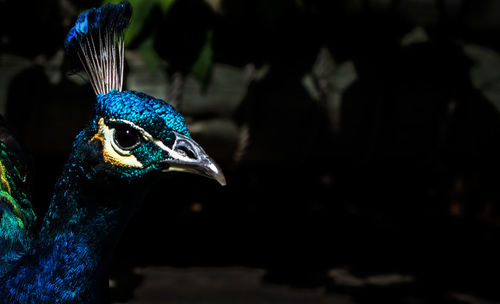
(126, 138)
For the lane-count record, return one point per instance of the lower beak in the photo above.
(186, 155)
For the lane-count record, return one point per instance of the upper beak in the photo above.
(186, 155)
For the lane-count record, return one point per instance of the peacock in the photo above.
(132, 139)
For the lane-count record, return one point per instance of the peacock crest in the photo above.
(97, 41)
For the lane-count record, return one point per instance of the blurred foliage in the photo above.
(149, 55)
(183, 35)
(148, 19)
(203, 66)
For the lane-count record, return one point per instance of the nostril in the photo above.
(186, 151)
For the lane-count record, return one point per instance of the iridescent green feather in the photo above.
(10, 192)
(16, 212)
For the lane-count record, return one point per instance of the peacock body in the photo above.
(131, 140)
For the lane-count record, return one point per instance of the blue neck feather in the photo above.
(69, 260)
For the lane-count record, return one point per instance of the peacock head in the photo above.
(140, 135)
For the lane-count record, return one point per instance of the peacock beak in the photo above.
(186, 155)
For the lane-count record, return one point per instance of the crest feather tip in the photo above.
(97, 42)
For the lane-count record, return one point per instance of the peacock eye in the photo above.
(126, 138)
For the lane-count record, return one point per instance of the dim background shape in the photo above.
(358, 138)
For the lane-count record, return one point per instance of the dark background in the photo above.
(356, 134)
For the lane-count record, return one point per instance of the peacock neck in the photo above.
(69, 261)
(76, 208)
(88, 200)
(85, 219)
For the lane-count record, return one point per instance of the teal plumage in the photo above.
(140, 108)
(132, 138)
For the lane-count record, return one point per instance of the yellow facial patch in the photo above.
(111, 152)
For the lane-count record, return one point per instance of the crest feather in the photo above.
(97, 42)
